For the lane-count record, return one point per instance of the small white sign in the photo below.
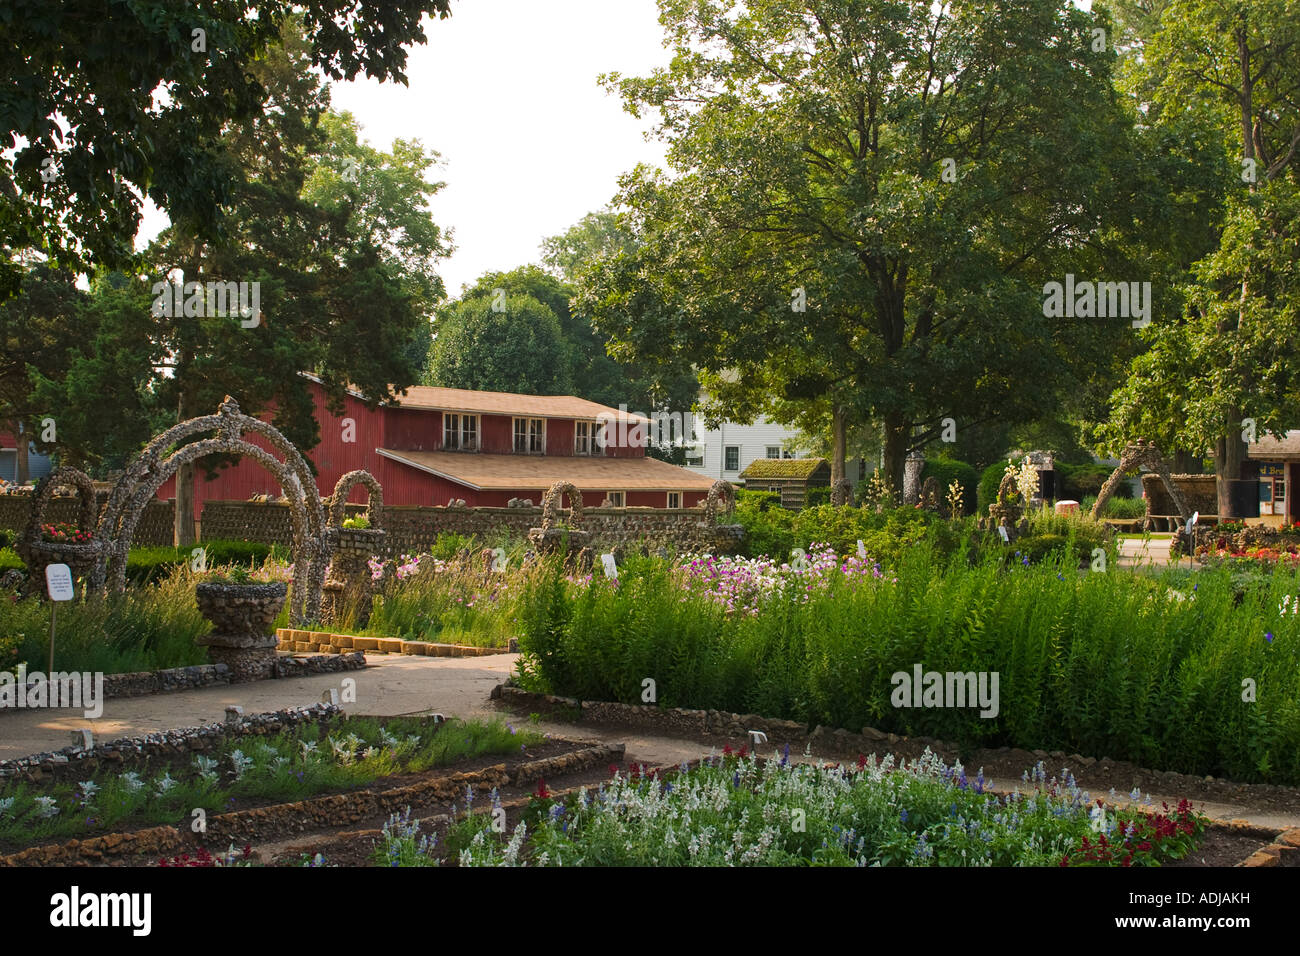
(1002, 533)
(58, 582)
(1191, 522)
(862, 550)
(611, 569)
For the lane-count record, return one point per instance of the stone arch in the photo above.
(146, 474)
(552, 499)
(720, 491)
(1142, 453)
(374, 507)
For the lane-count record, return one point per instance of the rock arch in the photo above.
(147, 473)
(721, 491)
(551, 502)
(1143, 453)
(339, 500)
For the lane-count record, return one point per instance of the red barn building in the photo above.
(439, 444)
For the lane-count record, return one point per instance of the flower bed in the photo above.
(291, 764)
(733, 810)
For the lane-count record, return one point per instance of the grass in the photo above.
(288, 766)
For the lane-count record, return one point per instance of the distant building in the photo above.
(726, 451)
(437, 445)
(791, 478)
(1279, 462)
(38, 465)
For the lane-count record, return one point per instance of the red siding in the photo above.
(410, 430)
(497, 434)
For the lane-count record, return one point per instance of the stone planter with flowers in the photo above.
(75, 545)
(242, 613)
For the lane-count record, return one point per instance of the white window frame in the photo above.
(725, 449)
(590, 437)
(617, 498)
(465, 425)
(528, 435)
(671, 496)
(773, 448)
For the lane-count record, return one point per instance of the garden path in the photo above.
(394, 685)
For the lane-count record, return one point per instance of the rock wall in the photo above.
(413, 529)
(1199, 490)
(155, 526)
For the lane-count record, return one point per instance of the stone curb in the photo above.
(1285, 846)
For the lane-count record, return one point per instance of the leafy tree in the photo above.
(342, 255)
(110, 102)
(517, 347)
(571, 254)
(867, 199)
(1228, 66)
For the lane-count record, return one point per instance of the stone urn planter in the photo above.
(243, 618)
(349, 590)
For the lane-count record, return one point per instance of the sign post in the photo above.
(58, 585)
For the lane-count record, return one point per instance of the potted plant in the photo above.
(242, 612)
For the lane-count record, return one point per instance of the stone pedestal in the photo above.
(243, 618)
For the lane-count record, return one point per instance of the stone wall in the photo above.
(413, 529)
(1199, 490)
(155, 527)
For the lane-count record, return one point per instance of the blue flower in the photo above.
(1269, 637)
(902, 816)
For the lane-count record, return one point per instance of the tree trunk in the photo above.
(183, 513)
(896, 437)
(22, 466)
(837, 444)
(1229, 455)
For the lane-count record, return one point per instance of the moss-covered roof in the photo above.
(787, 468)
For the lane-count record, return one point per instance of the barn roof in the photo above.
(527, 472)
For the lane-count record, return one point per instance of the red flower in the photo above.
(542, 793)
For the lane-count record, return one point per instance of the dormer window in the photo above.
(530, 436)
(460, 432)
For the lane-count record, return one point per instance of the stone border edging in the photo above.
(167, 741)
(323, 811)
(1286, 843)
(323, 642)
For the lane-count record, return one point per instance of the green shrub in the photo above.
(1102, 664)
(947, 470)
(990, 481)
(763, 500)
(815, 497)
(1077, 482)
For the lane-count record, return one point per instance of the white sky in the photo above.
(506, 92)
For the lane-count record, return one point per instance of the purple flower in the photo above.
(1269, 637)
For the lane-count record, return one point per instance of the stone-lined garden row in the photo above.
(242, 826)
(312, 642)
(675, 721)
(79, 760)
